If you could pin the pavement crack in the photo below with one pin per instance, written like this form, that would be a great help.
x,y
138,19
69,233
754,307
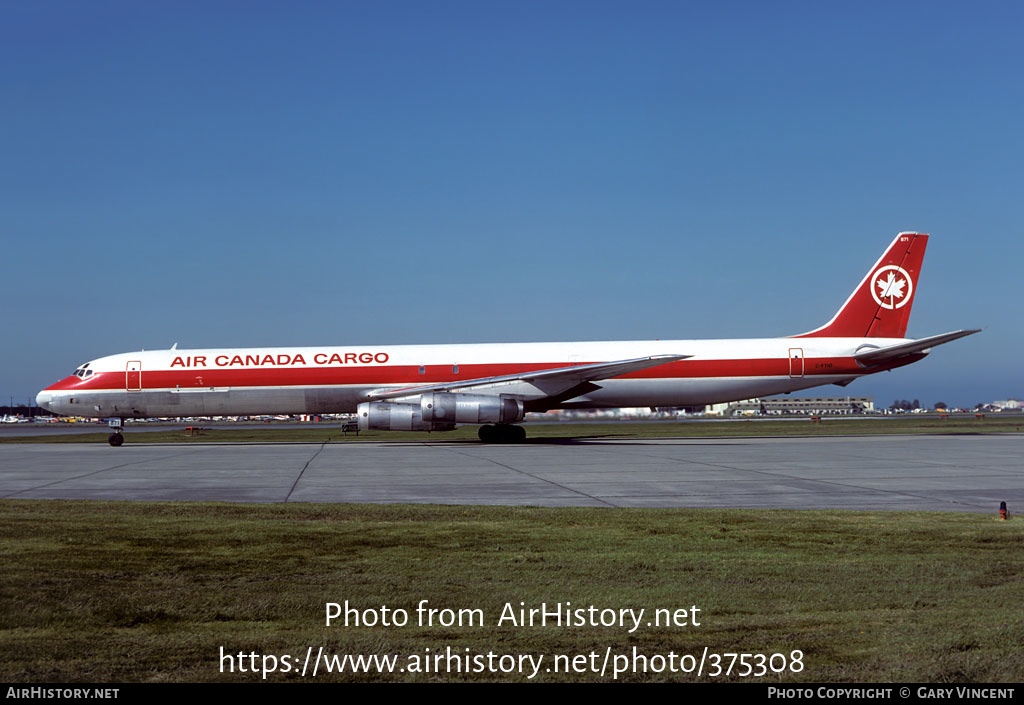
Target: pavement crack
x,y
296,483
538,478
88,474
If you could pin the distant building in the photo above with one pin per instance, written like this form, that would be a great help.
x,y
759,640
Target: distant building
x,y
767,406
794,405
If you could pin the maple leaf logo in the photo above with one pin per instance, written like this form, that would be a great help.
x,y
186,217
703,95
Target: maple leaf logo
x,y
891,287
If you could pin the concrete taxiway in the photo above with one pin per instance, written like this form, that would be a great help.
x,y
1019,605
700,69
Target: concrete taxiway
x,y
954,473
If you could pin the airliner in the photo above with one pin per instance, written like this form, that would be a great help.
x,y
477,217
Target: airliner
x,y
494,385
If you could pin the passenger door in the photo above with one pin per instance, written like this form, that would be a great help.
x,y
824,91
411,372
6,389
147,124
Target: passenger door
x,y
133,376
796,363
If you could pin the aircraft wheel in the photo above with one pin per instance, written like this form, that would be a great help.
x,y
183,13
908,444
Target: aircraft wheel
x,y
115,439
502,433
507,433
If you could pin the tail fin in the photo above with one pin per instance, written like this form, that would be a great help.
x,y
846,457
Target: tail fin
x,y
880,305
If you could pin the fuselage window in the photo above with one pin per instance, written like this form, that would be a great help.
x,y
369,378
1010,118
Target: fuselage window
x,y
423,370
455,369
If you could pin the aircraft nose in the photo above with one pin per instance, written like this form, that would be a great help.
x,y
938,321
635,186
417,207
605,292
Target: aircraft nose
x,y
43,399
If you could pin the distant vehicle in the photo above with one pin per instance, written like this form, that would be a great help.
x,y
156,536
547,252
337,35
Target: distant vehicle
x,y
435,387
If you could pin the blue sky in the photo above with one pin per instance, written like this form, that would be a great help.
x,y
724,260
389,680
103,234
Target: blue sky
x,y
247,173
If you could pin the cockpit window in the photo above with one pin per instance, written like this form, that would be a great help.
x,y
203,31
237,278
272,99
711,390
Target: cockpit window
x,y
83,371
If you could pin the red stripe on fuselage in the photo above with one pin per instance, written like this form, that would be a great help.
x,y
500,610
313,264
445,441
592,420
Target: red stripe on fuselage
x,y
385,375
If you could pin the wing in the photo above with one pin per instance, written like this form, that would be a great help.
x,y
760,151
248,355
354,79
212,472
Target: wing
x,y
536,384
874,356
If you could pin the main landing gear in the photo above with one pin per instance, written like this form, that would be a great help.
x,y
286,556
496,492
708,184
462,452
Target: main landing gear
x,y
502,433
116,438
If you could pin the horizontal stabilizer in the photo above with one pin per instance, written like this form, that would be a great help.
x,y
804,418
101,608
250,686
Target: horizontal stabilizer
x,y
554,380
873,356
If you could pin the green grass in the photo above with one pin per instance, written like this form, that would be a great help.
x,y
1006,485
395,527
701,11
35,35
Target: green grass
x,y
126,591
964,424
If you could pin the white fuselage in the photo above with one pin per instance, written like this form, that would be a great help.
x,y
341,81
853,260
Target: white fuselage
x,y
336,379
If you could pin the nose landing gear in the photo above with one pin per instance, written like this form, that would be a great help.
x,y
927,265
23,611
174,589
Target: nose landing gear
x,y
116,438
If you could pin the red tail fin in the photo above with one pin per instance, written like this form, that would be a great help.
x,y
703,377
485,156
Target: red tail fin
x,y
880,305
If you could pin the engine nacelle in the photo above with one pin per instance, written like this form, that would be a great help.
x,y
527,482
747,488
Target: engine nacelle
x,y
395,416
447,407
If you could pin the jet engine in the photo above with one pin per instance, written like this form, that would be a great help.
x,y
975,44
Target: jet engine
x,y
439,411
471,408
395,416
